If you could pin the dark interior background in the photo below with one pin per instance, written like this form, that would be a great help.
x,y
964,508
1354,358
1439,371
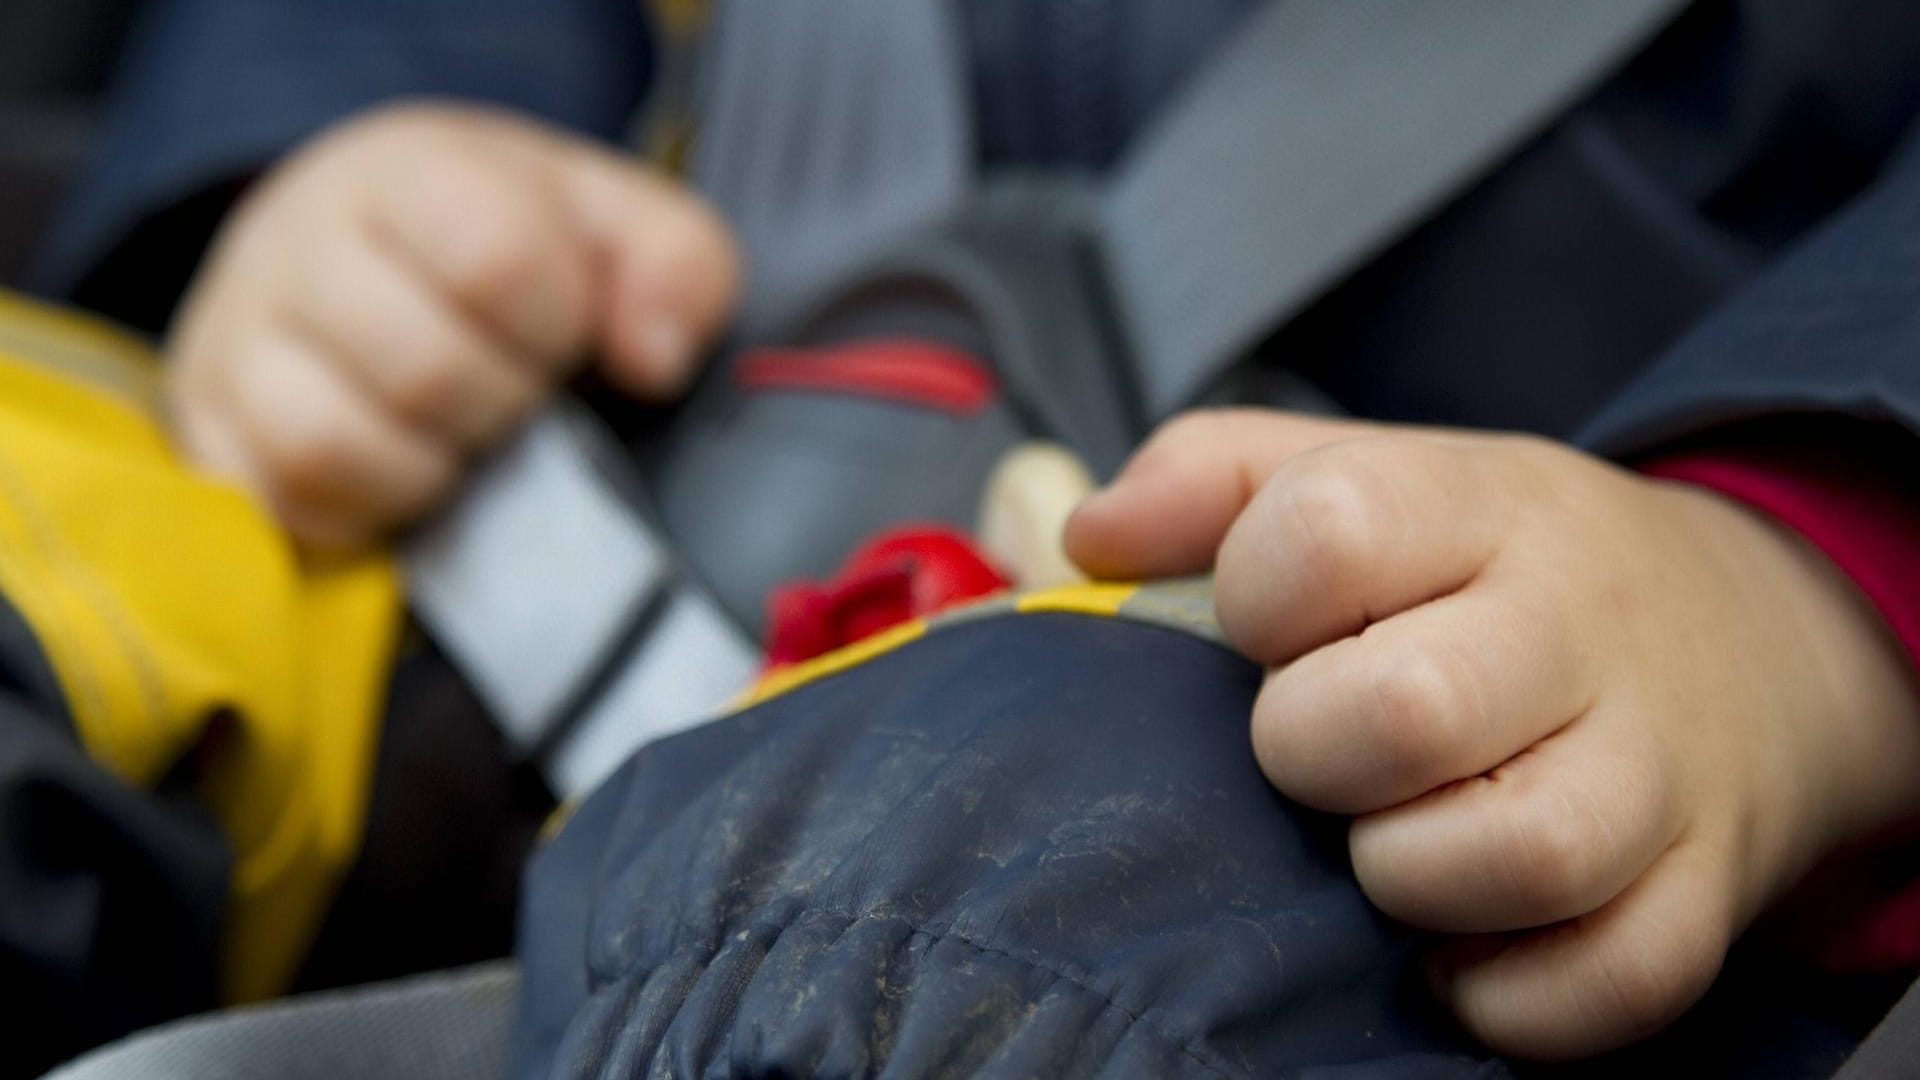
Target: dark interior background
x,y
54,59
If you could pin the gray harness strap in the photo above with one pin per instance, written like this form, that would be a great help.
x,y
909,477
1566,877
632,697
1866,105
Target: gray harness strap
x,y
1324,131
828,131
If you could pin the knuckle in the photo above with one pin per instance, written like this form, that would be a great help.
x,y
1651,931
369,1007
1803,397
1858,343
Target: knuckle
x,y
1641,985
406,117
1328,517
1173,438
1415,721
1243,601
1275,742
318,530
438,477
1632,993
500,263
447,179
1311,535
432,391
1189,426
1544,453
1391,882
306,463
1211,425
1381,882
405,130
1555,859
419,125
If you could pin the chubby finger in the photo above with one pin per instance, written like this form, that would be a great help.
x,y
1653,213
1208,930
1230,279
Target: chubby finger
x,y
1440,693
338,470
672,270
1553,834
1601,981
1351,533
420,357
1170,507
490,229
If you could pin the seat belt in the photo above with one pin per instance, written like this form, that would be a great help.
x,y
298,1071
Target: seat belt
x,y
1322,132
826,133
567,612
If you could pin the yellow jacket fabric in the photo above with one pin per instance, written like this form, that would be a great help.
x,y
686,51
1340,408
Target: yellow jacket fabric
x,y
185,632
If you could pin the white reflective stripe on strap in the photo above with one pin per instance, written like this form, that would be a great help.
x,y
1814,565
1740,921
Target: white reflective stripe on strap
x,y
690,665
558,603
1324,131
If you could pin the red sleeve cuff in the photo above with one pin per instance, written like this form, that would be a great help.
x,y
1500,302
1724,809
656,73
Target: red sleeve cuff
x,y
1870,528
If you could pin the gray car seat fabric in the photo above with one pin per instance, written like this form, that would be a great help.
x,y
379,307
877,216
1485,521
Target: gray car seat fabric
x,y
1893,1048
447,1026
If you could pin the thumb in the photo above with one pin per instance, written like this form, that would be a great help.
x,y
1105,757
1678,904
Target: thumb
x,y
668,268
1170,507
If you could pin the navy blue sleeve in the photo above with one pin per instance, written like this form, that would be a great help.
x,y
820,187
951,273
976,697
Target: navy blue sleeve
x,y
1031,845
212,90
1832,329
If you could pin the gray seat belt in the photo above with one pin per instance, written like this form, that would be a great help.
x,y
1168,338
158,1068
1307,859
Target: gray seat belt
x,y
828,131
1323,131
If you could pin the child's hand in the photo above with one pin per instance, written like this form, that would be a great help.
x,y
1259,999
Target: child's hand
x,y
402,292
1557,695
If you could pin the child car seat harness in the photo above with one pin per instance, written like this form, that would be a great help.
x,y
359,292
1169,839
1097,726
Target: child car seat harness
x,y
597,607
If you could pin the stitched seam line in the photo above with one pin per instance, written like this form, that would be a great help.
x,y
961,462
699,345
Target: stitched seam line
x,y
87,588
32,596
54,554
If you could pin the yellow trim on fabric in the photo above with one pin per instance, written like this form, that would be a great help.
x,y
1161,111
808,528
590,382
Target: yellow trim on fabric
x,y
1087,599
556,820
165,600
794,676
80,346
1152,605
